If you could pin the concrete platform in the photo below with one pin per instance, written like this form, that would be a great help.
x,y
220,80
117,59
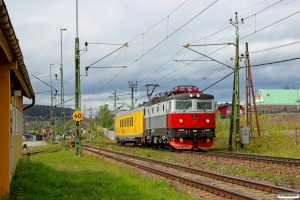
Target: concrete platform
x,y
34,143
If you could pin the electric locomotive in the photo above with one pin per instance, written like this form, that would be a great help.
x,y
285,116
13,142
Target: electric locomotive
x,y
183,118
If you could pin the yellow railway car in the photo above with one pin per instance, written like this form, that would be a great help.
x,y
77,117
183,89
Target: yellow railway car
x,y
129,125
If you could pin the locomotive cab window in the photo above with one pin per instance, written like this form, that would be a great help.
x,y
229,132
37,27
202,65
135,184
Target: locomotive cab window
x,y
183,105
204,105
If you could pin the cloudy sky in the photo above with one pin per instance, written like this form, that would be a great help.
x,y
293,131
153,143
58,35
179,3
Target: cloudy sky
x,y
156,32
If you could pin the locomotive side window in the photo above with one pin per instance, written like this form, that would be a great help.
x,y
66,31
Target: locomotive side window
x,y
204,105
183,105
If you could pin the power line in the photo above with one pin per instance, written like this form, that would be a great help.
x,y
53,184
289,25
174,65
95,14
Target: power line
x,y
155,46
230,25
263,9
284,45
269,25
158,22
270,63
161,66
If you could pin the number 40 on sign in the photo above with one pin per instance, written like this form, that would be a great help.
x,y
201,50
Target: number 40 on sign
x,y
77,115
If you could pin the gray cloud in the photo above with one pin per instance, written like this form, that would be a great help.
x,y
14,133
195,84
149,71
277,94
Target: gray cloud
x,y
38,30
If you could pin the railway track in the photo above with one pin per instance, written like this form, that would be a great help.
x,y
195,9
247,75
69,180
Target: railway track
x,y
223,186
252,157
258,158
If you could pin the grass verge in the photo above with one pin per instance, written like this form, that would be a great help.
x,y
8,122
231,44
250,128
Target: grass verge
x,y
62,175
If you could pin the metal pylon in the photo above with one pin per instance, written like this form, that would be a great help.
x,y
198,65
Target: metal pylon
x,y
249,88
234,135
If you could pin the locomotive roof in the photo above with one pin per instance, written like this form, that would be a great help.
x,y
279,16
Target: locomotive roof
x,y
186,96
179,96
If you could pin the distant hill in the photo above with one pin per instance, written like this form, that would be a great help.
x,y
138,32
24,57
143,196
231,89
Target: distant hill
x,y
44,111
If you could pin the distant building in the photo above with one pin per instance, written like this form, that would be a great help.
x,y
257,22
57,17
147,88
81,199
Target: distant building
x,y
277,100
225,110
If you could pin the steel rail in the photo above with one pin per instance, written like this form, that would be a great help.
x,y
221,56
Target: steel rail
x,y
262,158
251,184
253,157
196,184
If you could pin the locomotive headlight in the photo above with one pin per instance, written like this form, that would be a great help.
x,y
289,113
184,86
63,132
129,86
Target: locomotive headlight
x,y
191,95
198,95
181,121
207,121
207,140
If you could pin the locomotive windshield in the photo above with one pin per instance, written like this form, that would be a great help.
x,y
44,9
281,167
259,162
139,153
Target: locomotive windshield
x,y
192,105
204,105
183,105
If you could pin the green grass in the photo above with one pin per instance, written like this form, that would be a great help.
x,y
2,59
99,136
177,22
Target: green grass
x,y
62,175
277,136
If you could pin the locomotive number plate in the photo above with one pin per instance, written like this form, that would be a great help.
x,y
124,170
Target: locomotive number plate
x,y
194,131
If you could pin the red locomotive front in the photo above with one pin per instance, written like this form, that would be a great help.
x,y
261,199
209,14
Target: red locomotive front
x,y
190,119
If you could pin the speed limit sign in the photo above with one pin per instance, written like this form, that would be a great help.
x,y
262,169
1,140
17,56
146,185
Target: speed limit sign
x,y
77,115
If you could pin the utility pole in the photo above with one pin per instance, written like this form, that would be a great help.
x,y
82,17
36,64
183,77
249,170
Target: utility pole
x,y
115,102
249,87
234,135
54,126
78,147
91,123
132,86
62,107
51,109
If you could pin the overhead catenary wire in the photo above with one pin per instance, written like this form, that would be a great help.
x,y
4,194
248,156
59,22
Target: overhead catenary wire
x,y
269,25
143,55
263,9
230,25
148,76
264,27
158,22
268,49
156,45
269,63
105,73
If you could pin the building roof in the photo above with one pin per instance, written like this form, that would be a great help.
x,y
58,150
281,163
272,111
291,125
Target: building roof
x,y
277,96
11,50
226,104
